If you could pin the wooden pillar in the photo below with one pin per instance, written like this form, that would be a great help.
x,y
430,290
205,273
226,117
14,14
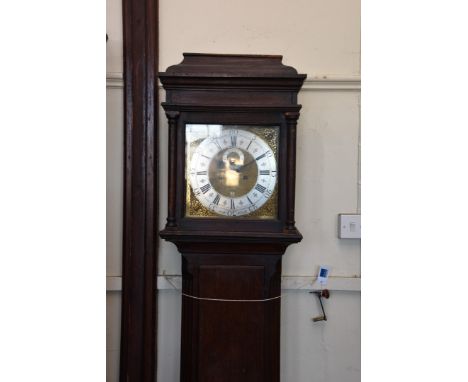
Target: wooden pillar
x,y
139,304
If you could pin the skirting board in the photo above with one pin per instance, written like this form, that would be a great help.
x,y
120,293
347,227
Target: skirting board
x,y
114,283
115,81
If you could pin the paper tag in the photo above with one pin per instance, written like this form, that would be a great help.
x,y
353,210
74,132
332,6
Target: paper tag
x,y
323,274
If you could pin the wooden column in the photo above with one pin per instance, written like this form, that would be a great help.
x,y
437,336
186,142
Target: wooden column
x,y
172,117
291,121
138,331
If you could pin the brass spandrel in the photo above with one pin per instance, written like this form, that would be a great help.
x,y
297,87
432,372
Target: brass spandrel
x,y
269,135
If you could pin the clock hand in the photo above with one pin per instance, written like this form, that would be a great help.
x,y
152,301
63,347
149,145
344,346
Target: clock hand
x,y
233,166
239,168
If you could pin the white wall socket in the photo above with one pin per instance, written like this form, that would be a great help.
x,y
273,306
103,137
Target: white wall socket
x,y
349,226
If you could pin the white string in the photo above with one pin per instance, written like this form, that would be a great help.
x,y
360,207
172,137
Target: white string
x,y
219,299
225,299
229,300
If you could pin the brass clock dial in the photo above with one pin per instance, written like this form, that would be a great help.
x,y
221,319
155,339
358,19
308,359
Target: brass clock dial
x,y
231,170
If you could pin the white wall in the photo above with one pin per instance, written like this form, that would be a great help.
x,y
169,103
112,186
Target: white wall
x,y
320,38
114,200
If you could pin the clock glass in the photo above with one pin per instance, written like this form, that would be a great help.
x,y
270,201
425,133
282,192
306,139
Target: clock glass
x,y
231,171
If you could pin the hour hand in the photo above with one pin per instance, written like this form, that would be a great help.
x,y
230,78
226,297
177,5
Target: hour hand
x,y
245,165
235,167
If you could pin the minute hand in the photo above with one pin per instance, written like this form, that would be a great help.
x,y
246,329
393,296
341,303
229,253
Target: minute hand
x,y
252,161
238,169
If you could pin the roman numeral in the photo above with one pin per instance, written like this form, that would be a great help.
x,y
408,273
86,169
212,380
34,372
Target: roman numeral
x,y
216,200
264,172
233,140
233,207
205,188
260,188
203,172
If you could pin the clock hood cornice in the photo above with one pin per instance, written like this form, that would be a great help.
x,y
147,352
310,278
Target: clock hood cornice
x,y
232,65
199,70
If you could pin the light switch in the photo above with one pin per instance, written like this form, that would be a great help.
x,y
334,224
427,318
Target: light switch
x,y
349,226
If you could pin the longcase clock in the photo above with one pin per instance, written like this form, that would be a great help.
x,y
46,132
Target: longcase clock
x,y
231,189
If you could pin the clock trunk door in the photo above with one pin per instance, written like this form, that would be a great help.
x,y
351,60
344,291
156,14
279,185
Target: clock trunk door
x,y
235,340
222,355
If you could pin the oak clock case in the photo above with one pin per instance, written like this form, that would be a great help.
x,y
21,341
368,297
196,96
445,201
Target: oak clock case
x,y
232,122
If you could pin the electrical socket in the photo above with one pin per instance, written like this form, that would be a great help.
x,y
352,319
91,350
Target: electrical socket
x,y
349,226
